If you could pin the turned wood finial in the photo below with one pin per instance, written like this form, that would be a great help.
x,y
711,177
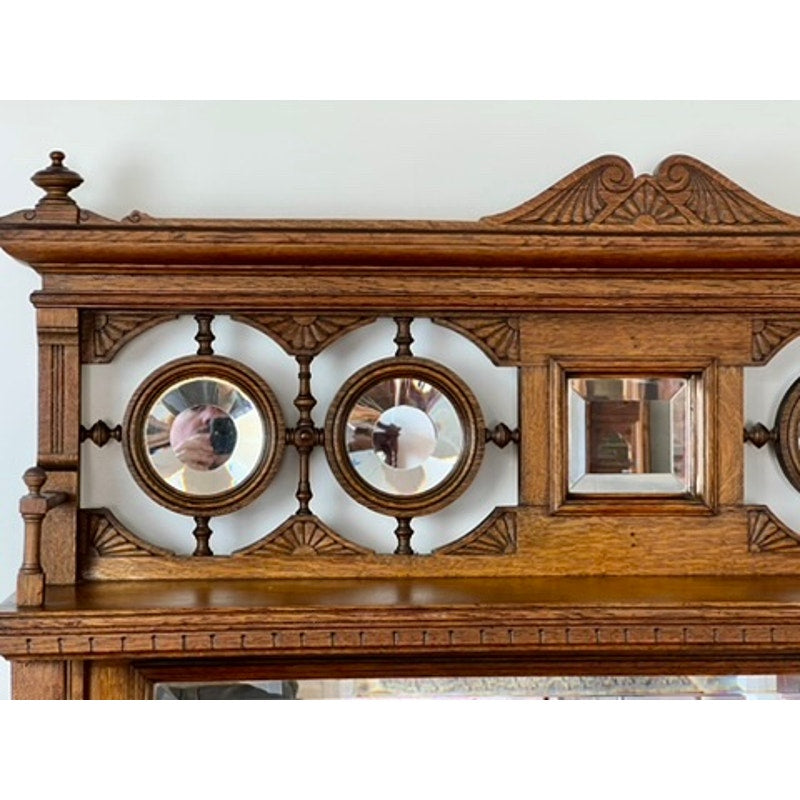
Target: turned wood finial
x,y
57,181
34,478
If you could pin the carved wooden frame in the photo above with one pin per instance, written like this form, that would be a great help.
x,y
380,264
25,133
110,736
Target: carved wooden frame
x,y
704,441
195,367
605,268
466,407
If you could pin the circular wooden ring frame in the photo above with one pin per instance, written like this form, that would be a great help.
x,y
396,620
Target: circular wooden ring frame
x,y
787,445
212,367
466,407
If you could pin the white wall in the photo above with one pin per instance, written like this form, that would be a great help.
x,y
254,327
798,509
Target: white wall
x,y
394,159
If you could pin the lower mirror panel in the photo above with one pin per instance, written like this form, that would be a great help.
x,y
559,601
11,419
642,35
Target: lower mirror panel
x,y
733,687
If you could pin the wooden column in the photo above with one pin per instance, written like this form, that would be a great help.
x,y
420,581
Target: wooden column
x,y
59,432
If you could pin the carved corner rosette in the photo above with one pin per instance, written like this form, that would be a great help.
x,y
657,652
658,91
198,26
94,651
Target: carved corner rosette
x,y
495,536
498,337
683,193
104,334
766,533
105,536
303,535
303,335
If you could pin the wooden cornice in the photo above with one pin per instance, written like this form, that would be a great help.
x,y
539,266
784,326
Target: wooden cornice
x,y
600,218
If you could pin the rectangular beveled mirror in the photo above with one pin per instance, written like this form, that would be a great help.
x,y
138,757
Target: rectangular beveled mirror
x,y
632,435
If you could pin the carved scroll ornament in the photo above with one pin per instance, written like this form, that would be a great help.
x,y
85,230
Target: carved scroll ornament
x,y
683,193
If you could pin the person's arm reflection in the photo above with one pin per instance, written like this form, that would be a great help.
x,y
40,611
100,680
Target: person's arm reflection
x,y
190,437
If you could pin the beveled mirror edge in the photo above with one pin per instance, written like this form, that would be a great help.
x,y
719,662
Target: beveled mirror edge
x,y
466,406
154,385
703,500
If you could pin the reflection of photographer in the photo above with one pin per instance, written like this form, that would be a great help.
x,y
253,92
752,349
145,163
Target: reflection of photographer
x,y
203,437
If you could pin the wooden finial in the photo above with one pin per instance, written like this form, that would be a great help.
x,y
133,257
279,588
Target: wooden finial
x,y
34,479
57,182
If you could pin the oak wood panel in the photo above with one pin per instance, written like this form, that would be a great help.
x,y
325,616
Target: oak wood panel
x,y
60,529
534,421
59,387
630,337
730,423
39,680
115,680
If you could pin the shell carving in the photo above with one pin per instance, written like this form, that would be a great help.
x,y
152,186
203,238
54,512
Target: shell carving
x,y
766,533
303,335
107,537
110,332
497,337
495,536
303,536
770,335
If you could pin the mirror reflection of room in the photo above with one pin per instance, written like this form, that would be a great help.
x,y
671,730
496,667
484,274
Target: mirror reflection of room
x,y
630,434
404,436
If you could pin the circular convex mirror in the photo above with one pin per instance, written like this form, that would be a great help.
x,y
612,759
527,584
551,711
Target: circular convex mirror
x,y
787,444
404,436
203,435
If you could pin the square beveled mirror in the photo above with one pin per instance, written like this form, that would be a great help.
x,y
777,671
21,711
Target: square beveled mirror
x,y
632,435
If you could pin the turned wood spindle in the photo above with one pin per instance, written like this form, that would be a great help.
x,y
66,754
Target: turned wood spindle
x,y
34,507
403,532
304,436
100,433
759,435
403,339
202,533
204,336
501,435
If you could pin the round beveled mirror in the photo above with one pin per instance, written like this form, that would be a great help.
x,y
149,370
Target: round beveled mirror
x,y
787,441
404,436
203,435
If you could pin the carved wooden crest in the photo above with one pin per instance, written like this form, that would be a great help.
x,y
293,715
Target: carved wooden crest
x,y
683,193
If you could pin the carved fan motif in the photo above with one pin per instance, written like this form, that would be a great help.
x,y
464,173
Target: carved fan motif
x,y
766,533
303,536
107,537
303,335
496,535
683,191
770,335
648,203
108,333
497,337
